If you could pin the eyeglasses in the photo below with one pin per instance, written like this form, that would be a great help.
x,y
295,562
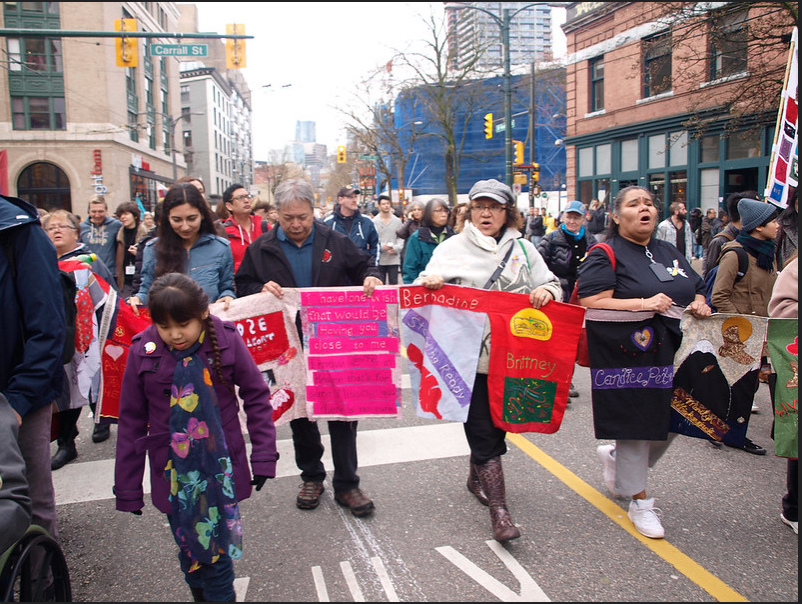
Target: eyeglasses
x,y
495,209
60,227
246,197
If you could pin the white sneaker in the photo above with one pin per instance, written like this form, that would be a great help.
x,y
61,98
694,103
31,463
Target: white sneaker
x,y
755,408
605,455
794,524
646,518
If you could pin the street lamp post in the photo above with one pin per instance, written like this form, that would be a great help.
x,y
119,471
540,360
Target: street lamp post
x,y
504,24
172,122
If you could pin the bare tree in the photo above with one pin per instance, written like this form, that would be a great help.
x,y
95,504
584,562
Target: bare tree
x,y
447,93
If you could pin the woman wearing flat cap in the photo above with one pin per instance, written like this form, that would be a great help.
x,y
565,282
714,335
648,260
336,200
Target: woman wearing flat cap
x,y
470,258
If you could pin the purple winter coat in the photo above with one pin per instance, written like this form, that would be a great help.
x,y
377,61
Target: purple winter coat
x,y
145,416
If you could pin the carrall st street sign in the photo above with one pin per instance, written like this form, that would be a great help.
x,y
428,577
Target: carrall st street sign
x,y
179,50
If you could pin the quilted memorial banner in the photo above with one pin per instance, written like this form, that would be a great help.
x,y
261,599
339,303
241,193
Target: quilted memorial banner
x,y
783,342
716,375
532,354
267,325
352,349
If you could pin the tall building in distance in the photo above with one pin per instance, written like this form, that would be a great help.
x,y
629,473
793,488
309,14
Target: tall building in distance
x,y
474,31
305,132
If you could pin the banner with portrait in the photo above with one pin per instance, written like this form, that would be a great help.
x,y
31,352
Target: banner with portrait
x,y
716,376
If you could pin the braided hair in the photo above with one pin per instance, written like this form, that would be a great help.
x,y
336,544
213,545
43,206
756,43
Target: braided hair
x,y
178,297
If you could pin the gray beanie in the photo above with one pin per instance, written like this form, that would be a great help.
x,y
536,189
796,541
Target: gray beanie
x,y
754,213
492,189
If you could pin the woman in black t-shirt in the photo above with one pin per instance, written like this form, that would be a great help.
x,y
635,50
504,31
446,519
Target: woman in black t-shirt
x,y
631,353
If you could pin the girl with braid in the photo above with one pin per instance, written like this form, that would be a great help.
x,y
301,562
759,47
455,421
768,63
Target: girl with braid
x,y
178,403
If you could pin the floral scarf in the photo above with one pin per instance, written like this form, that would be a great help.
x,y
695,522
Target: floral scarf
x,y
204,504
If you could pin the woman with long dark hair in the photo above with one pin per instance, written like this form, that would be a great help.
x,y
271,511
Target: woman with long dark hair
x,y
187,243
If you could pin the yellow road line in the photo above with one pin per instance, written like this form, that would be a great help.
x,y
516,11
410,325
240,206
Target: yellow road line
x,y
684,564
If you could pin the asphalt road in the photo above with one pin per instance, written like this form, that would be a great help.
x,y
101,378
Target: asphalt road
x,y
430,540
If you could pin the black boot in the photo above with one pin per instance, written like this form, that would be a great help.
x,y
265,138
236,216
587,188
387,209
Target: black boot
x,y
64,455
491,476
475,486
101,432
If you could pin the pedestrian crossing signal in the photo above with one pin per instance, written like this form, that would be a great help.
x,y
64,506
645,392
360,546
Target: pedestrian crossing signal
x,y
235,48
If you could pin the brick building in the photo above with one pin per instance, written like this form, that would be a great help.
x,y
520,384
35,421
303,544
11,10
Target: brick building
x,y
672,96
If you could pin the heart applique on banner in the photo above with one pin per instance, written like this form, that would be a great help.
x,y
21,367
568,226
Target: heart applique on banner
x,y
643,338
114,351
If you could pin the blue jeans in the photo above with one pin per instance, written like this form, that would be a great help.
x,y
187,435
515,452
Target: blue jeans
x,y
216,580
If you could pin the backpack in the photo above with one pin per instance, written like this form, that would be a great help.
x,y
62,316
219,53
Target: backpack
x,y
710,277
68,291
698,235
582,355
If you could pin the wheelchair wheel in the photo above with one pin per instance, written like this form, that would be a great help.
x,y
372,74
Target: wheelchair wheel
x,y
34,570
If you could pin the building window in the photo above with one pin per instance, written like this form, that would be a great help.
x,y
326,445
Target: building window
x,y
35,54
743,145
728,45
596,84
586,161
710,148
603,159
657,151
656,64
629,155
678,151
38,113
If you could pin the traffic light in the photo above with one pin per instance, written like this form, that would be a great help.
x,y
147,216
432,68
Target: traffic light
x,y
518,147
488,125
535,173
519,178
235,49
341,154
126,47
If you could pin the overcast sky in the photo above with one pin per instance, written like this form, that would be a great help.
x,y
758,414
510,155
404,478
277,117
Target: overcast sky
x,y
306,57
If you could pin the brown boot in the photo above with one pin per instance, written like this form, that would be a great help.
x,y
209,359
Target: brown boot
x,y
491,476
475,486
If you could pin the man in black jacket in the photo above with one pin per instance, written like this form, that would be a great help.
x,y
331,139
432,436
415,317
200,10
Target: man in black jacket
x,y
33,327
304,252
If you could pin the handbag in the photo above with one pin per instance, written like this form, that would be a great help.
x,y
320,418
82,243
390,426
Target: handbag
x,y
582,356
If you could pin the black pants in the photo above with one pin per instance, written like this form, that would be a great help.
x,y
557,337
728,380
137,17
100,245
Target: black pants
x,y
389,273
485,440
309,452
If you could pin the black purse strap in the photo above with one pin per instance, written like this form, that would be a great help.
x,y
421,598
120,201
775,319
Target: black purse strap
x,y
500,267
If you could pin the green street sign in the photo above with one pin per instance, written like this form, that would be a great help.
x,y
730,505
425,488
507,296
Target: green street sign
x,y
374,157
179,50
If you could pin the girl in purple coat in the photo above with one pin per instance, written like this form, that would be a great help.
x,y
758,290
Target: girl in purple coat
x,y
178,403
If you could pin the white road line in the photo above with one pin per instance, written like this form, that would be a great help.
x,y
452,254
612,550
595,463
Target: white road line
x,y
350,580
93,480
241,588
530,590
320,584
381,571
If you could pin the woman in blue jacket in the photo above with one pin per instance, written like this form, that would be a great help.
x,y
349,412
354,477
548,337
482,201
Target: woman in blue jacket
x,y
187,243
432,231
